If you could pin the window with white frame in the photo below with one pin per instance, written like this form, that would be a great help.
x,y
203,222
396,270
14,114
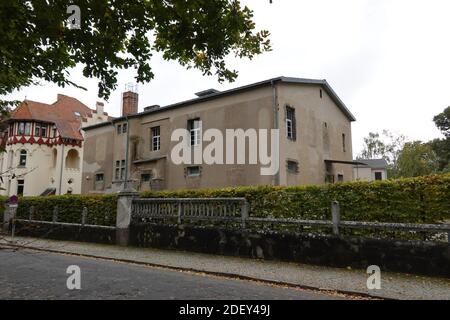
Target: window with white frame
x,y
23,158
156,139
194,127
291,130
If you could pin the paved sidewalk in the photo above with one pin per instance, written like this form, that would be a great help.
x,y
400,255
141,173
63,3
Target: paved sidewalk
x,y
394,285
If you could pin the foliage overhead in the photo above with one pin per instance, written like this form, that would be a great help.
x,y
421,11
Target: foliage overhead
x,y
38,45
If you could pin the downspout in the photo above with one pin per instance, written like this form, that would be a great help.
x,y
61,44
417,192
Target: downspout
x,y
61,171
126,153
276,178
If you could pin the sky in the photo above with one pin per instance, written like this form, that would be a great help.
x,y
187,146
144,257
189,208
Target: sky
x,y
388,60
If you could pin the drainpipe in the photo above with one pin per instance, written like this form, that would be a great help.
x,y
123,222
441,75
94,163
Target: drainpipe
x,y
276,179
62,166
126,153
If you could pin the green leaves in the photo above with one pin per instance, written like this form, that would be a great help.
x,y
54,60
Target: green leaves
x,y
121,34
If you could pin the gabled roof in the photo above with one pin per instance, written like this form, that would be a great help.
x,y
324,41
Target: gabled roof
x,y
373,163
215,95
61,113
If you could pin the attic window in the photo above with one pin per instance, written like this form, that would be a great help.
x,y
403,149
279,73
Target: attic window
x,y
77,113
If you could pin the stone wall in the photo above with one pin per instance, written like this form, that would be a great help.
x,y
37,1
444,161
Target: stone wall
x,y
398,256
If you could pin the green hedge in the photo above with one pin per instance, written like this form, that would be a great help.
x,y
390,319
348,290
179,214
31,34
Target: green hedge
x,y
412,200
101,208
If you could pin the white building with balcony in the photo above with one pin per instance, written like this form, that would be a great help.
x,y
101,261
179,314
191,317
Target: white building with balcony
x,y
44,147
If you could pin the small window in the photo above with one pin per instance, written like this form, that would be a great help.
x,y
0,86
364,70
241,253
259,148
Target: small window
x,y
23,158
194,127
321,94
340,178
76,113
124,128
193,171
343,143
54,131
292,166
146,177
99,177
117,174
291,130
27,128
122,170
119,129
21,128
44,130
156,139
20,187
378,176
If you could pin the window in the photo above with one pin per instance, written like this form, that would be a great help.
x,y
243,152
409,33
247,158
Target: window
x,y
291,130
99,177
146,177
194,127
76,113
343,143
44,130
193,171
156,139
321,94
340,178
378,176
23,158
21,128
54,131
20,187
120,170
124,128
119,129
27,130
37,130
292,166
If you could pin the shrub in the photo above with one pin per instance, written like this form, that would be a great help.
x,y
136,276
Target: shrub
x,y
101,208
412,200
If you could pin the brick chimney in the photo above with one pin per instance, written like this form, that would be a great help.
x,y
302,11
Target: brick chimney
x,y
130,101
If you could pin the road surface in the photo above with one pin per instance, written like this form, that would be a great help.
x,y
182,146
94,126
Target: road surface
x,y
26,274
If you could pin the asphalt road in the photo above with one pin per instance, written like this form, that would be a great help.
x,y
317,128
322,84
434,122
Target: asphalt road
x,y
28,274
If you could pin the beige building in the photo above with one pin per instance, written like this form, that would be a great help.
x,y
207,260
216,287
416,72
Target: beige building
x,y
370,170
44,147
315,142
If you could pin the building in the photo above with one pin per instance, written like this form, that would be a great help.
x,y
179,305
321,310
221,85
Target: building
x,y
370,170
315,143
44,147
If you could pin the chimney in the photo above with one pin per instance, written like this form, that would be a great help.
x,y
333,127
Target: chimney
x,y
99,107
129,103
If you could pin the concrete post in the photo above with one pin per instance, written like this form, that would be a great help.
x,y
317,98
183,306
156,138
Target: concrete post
x,y
9,215
336,217
244,213
123,218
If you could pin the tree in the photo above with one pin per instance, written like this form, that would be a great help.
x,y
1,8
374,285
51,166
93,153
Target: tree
x,y
385,146
442,146
38,44
416,159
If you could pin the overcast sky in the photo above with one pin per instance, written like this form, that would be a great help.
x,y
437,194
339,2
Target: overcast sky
x,y
388,60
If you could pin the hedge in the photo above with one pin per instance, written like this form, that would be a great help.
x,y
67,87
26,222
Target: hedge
x,y
411,200
101,208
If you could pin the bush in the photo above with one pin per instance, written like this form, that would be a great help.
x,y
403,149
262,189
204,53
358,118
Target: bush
x,y
412,200
101,208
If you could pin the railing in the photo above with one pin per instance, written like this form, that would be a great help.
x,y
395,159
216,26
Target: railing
x,y
237,209
230,209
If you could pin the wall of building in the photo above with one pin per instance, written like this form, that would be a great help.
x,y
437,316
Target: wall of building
x,y
244,110
320,125
368,174
42,169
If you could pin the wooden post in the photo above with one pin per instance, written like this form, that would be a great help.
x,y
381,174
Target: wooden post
x,y
336,217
